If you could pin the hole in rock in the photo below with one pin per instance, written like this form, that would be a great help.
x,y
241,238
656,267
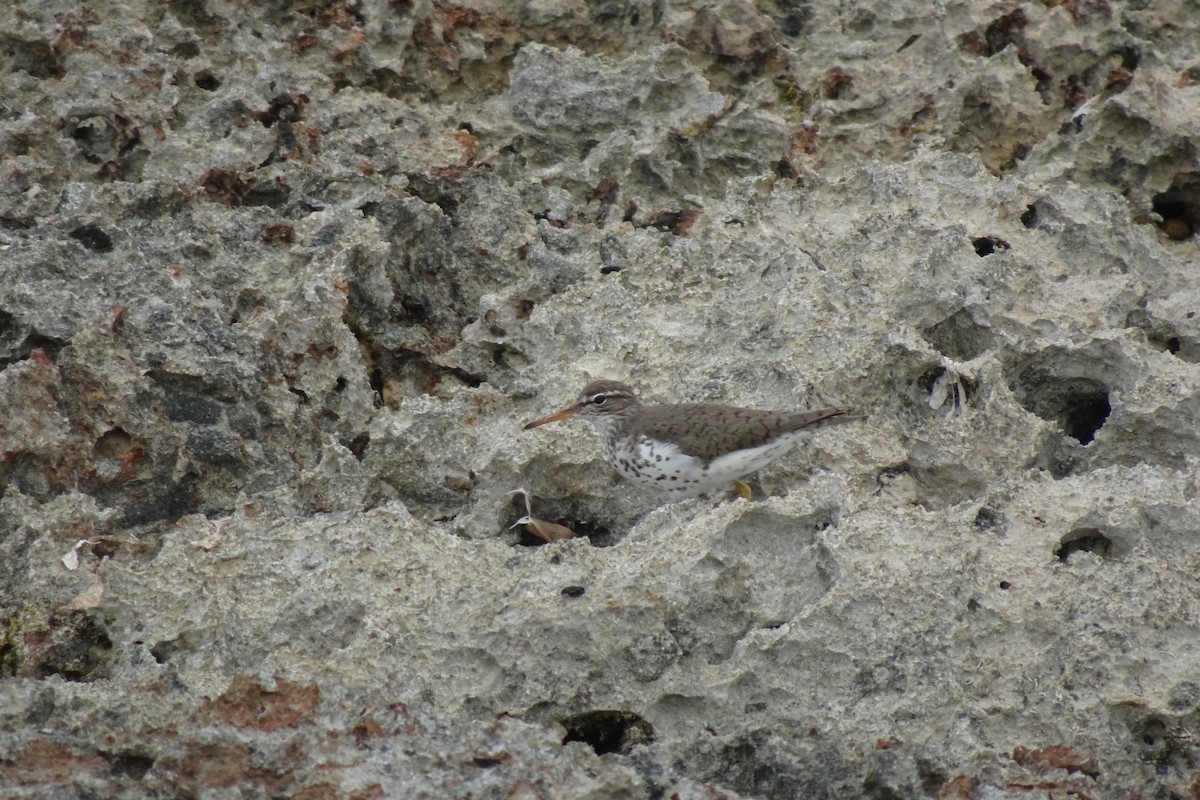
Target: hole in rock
x,y
207,81
522,309
567,513
987,519
1086,412
1179,208
283,108
93,238
81,651
506,356
1130,56
358,445
1154,736
1080,405
34,57
987,245
431,190
1005,30
959,337
1088,540
165,650
797,16
1162,332
608,731
18,341
1184,348
129,765
958,390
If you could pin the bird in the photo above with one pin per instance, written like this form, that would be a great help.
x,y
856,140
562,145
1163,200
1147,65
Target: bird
x,y
688,449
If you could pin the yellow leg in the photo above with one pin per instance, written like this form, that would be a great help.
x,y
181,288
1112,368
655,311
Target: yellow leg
x,y
743,489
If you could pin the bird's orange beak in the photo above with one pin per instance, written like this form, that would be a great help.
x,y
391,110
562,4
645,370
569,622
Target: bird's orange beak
x,y
555,417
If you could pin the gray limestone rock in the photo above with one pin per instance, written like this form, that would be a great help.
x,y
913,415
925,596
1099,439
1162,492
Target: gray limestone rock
x,y
280,284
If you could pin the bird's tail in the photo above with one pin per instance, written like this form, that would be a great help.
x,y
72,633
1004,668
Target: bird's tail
x,y
823,417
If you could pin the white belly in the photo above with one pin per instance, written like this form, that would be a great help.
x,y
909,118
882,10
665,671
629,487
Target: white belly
x,y
663,467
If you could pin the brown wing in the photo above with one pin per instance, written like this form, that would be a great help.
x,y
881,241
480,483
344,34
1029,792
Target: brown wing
x,y
707,431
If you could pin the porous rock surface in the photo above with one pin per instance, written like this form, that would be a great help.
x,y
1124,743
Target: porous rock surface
x,y
280,283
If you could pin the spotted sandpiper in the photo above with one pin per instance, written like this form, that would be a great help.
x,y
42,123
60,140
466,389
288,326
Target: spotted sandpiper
x,y
687,449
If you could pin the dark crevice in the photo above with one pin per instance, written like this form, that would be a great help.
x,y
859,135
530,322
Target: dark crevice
x,y
1005,30
1163,334
206,80
129,765
93,238
987,245
987,519
400,372
171,504
165,650
82,649
1087,540
358,445
444,194
958,392
1178,208
187,405
185,50
37,58
1080,405
678,222
1085,412
284,108
18,341
19,350
959,336
567,513
608,731
430,374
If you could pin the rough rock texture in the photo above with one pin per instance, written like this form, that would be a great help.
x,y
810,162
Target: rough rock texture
x,y
280,281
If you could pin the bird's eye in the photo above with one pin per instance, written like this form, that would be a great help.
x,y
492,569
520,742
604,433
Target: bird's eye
x,y
600,399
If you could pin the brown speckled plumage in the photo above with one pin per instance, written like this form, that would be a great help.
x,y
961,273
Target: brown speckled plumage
x,y
689,448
